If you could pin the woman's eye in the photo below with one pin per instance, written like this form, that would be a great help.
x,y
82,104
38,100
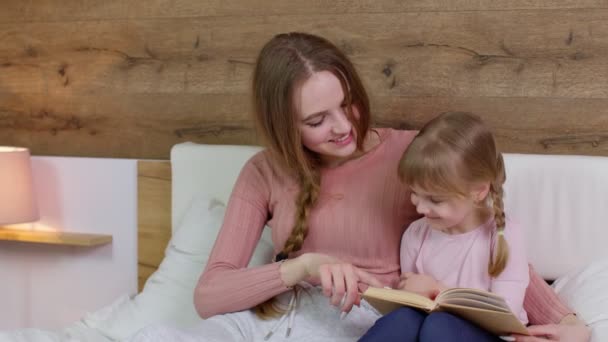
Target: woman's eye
x,y
436,200
316,123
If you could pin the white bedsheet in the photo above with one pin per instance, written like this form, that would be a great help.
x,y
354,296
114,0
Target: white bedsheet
x,y
76,332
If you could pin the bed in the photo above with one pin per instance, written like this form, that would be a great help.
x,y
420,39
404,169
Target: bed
x,y
561,200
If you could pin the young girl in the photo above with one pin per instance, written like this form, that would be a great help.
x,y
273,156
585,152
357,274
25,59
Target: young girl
x,y
456,176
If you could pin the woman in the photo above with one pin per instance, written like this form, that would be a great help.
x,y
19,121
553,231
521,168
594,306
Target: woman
x,y
327,185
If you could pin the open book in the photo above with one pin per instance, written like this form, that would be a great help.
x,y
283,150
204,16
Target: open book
x,y
485,309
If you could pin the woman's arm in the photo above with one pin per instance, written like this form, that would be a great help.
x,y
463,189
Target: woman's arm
x,y
542,303
552,320
227,285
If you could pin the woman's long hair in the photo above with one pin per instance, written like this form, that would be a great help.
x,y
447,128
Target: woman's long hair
x,y
283,65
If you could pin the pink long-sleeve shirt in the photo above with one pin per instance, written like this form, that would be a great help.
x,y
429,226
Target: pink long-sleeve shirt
x,y
361,214
461,260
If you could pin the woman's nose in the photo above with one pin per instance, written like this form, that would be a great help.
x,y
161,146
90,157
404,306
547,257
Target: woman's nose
x,y
341,124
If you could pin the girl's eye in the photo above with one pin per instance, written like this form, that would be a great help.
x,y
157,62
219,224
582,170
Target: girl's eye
x,y
436,200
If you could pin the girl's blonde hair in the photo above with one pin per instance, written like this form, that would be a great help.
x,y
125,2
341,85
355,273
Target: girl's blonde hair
x,y
451,154
283,65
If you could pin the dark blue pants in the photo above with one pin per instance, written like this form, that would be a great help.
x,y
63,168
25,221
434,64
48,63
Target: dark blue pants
x,y
406,324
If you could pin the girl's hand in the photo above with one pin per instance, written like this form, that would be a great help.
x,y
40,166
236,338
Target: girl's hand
x,y
421,284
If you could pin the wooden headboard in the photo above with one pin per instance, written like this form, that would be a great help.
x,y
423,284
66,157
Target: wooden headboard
x,y
154,215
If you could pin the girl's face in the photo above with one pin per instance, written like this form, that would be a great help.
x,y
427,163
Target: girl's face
x,y
447,212
323,122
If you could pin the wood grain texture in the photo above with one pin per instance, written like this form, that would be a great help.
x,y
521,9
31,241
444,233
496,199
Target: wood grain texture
x,y
54,237
58,10
130,79
521,125
542,125
154,216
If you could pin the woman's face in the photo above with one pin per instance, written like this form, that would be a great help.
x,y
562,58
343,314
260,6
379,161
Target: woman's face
x,y
323,122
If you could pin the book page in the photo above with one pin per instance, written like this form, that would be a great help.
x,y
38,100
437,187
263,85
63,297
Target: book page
x,y
385,300
488,310
457,291
473,295
473,304
499,323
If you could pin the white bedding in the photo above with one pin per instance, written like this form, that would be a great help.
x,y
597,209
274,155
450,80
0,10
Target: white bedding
x,y
76,332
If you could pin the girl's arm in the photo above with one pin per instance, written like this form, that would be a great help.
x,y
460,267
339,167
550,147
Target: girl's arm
x,y
410,280
410,246
511,284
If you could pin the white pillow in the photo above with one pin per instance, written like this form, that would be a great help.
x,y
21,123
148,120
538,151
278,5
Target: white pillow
x,y
167,296
586,292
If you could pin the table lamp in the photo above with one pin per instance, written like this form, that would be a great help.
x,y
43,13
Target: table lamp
x,y
18,205
17,200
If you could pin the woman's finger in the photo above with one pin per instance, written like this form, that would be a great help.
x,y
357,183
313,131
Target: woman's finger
x,y
338,284
352,290
540,333
326,280
549,330
367,278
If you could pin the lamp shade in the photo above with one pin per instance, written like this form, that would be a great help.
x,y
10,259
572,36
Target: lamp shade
x,y
17,200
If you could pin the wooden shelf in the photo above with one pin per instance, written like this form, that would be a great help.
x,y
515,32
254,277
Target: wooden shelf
x,y
53,237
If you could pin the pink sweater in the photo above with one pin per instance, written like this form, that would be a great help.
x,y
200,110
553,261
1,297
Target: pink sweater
x,y
362,212
461,260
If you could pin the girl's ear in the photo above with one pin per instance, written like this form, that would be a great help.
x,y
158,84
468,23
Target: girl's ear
x,y
480,191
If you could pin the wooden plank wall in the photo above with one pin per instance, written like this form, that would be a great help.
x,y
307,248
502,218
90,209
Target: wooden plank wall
x,y
129,78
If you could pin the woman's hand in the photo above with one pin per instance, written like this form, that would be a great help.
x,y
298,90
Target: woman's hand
x,y
340,281
303,267
570,329
421,284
